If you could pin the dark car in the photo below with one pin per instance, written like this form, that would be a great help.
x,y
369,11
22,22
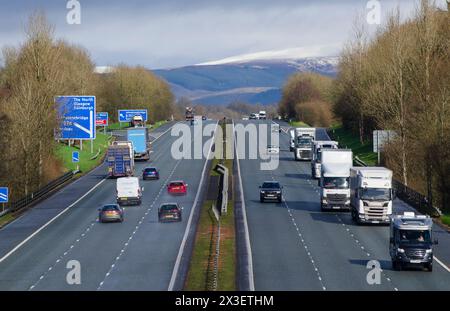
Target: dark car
x,y
169,212
150,173
270,191
204,118
110,213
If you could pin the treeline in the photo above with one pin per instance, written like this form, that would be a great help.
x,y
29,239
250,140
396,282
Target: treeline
x,y
307,97
37,71
399,80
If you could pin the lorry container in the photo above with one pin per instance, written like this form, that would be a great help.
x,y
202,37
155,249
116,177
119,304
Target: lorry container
x,y
317,155
304,141
141,145
129,191
334,180
371,194
120,160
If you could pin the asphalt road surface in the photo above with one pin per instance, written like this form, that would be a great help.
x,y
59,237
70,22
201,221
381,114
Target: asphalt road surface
x,y
138,254
295,246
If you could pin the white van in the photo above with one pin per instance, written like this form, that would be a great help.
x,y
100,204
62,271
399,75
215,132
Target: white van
x,y
129,191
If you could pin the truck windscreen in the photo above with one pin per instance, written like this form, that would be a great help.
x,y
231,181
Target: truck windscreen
x,y
414,236
335,182
376,194
304,142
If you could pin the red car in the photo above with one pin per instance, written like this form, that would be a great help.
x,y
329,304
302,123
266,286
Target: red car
x,y
177,187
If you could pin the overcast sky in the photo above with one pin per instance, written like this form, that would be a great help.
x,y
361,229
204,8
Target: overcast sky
x,y
171,33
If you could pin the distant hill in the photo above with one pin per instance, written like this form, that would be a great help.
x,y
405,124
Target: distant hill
x,y
252,81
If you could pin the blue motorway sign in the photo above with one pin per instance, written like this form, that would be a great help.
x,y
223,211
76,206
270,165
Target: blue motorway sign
x,y
4,194
77,115
127,115
101,119
75,157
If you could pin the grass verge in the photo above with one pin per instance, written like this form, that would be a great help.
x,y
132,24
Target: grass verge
x,y
201,270
298,124
64,153
348,140
446,219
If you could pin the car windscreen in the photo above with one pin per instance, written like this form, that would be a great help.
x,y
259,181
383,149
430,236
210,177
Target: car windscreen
x,y
271,185
375,194
108,208
415,236
176,184
169,207
151,169
335,182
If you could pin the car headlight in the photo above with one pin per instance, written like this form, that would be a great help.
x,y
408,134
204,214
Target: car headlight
x,y
400,250
262,192
429,251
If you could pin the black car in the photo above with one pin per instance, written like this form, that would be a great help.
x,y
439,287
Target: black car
x,y
270,191
169,212
150,173
204,118
110,213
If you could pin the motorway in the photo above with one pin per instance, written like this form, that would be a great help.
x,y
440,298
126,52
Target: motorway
x,y
138,254
295,246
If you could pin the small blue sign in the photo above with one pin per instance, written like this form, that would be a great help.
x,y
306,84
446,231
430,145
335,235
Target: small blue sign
x,y
77,115
101,119
127,115
75,157
4,194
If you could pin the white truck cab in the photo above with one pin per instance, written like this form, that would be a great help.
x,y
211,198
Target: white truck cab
x,y
317,155
371,194
129,191
334,180
304,141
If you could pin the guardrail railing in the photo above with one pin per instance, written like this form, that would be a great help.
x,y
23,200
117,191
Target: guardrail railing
x,y
38,194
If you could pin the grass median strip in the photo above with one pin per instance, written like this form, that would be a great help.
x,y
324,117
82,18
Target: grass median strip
x,y
201,270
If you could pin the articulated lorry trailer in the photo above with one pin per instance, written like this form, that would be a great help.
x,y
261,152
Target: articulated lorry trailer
x,y
120,160
304,142
371,194
334,180
141,145
317,155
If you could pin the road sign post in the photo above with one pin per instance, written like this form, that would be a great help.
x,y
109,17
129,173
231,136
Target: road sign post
x,y
76,158
4,196
77,115
127,115
380,138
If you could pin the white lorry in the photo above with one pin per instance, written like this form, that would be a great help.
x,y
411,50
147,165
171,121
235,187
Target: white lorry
x,y
317,155
304,141
371,194
334,180
129,191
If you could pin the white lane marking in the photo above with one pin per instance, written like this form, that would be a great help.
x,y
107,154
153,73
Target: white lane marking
x,y
441,264
188,226
62,212
137,227
50,221
244,214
